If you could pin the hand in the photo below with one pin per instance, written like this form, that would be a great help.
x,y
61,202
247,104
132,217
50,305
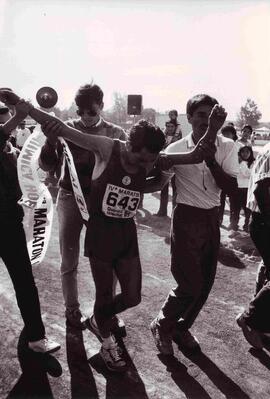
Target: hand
x,y
52,129
204,150
7,96
22,109
217,117
164,162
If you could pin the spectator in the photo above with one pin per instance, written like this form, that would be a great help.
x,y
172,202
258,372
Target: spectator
x,y
89,100
245,136
255,320
13,247
170,137
239,198
230,132
173,115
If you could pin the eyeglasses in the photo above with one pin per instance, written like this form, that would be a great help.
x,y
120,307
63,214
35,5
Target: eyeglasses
x,y
88,112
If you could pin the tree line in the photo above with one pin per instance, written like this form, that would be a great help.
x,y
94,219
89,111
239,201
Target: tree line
x,y
249,113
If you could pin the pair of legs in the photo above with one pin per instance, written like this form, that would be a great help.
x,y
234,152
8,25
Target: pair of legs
x,y
112,247
256,316
70,228
13,251
237,202
195,239
128,272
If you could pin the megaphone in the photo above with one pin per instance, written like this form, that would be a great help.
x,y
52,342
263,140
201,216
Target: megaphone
x,y
46,97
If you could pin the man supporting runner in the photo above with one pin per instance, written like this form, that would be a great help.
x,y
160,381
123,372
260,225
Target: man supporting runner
x,y
13,247
89,100
195,235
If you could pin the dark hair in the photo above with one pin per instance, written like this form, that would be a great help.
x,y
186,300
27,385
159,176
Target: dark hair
x,y
198,100
251,157
87,94
230,129
145,134
247,127
174,111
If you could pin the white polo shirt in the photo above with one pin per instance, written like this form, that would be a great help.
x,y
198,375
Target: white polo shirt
x,y
195,184
260,171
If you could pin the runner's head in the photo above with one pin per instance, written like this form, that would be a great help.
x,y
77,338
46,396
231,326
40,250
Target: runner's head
x,y
89,100
144,143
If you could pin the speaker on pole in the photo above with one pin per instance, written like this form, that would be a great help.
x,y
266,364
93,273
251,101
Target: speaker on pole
x,y
134,104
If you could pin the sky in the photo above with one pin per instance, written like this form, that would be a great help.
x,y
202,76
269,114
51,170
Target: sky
x,y
167,51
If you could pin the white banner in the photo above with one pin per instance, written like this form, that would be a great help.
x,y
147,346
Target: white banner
x,y
75,181
36,198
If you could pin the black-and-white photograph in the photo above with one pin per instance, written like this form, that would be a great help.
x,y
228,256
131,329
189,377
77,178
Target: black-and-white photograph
x,y
135,199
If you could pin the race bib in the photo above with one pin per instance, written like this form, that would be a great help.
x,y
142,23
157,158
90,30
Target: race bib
x,y
118,202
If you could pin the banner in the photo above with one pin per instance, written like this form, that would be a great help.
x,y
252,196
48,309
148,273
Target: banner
x,y
75,181
36,198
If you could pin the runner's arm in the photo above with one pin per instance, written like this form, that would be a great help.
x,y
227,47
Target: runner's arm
x,y
100,145
157,181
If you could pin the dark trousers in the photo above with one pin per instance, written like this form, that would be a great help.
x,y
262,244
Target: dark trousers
x,y
13,251
257,314
238,201
195,239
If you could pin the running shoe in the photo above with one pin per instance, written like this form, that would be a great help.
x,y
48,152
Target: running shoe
x,y
44,345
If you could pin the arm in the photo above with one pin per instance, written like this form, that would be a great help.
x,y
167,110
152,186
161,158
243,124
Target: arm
x,y
50,155
205,147
156,180
100,145
223,180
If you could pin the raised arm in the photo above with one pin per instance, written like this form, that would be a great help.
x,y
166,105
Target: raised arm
x,y
205,147
100,145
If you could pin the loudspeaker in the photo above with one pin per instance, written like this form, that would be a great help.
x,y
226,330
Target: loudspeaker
x,y
134,104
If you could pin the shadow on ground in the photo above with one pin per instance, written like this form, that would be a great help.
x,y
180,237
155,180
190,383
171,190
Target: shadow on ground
x,y
229,258
82,381
191,387
34,382
121,385
181,377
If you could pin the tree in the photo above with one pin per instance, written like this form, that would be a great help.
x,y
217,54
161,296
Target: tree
x,y
118,113
249,114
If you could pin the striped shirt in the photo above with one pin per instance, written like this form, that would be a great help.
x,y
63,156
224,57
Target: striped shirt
x,y
260,171
195,183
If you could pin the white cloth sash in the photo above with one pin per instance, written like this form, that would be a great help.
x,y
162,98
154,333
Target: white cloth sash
x,y
36,199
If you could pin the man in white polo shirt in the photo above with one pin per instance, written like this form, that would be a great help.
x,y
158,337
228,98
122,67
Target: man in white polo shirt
x,y
195,235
